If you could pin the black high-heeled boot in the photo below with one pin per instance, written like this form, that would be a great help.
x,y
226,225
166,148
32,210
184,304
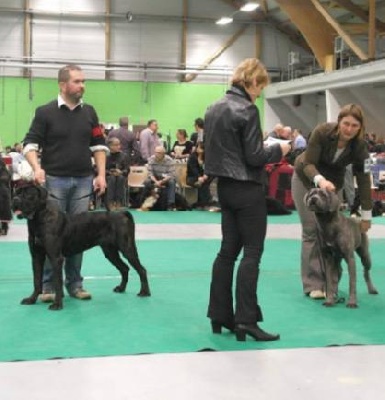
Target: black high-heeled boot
x,y
217,326
241,330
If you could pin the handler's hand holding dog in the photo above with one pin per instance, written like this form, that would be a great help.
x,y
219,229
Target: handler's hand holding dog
x,y
365,225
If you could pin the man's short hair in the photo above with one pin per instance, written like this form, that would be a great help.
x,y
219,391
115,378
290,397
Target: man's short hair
x,y
150,122
199,123
64,73
123,121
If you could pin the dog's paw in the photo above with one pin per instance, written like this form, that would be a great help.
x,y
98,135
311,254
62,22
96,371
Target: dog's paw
x,y
328,303
352,305
55,307
373,291
28,301
119,289
144,293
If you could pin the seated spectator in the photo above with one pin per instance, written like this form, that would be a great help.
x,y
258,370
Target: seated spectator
x,y
197,178
277,132
182,148
117,169
299,142
5,198
161,171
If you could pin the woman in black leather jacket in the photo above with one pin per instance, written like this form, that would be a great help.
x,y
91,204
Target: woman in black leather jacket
x,y
235,153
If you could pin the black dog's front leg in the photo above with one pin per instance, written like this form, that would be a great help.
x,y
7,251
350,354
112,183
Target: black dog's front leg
x,y
57,281
38,257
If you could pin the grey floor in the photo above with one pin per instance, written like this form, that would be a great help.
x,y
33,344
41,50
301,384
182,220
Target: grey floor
x,y
352,372
343,373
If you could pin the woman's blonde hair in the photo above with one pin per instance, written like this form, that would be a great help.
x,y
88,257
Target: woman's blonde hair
x,y
248,70
355,111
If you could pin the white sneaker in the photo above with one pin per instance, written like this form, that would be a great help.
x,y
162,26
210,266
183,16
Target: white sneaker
x,y
317,294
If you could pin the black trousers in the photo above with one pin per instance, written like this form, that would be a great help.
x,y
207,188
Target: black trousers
x,y
244,222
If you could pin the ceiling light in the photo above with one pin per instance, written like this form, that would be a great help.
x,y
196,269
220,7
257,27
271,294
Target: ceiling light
x,y
224,21
250,6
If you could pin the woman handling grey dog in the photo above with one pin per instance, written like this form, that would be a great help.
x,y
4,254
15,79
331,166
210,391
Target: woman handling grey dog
x,y
331,147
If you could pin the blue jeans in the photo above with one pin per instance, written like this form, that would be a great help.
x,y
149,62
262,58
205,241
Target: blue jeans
x,y
72,196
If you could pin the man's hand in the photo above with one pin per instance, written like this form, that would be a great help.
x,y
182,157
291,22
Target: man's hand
x,y
39,176
100,184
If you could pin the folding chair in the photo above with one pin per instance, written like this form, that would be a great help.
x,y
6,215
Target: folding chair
x,y
189,192
135,180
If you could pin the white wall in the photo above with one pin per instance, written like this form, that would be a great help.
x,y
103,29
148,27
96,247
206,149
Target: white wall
x,y
74,31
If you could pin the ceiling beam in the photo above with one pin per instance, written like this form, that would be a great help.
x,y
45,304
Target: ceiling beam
x,y
359,12
319,36
107,38
345,37
372,30
27,35
260,16
218,53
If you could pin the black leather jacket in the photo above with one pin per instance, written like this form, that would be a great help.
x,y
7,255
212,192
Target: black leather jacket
x,y
234,141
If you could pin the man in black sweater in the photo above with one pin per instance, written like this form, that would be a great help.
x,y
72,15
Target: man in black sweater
x,y
68,134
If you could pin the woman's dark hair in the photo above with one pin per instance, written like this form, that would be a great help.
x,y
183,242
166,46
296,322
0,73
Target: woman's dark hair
x,y
182,132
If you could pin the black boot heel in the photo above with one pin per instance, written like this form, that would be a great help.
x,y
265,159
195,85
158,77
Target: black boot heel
x,y
217,326
240,335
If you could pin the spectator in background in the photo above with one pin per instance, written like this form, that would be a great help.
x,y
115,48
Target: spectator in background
x,y
277,132
5,198
117,169
149,139
197,136
197,178
299,142
182,148
128,143
161,171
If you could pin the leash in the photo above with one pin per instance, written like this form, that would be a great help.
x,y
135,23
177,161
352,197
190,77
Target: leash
x,y
76,198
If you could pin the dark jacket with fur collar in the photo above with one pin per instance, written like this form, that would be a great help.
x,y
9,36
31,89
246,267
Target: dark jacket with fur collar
x,y
318,159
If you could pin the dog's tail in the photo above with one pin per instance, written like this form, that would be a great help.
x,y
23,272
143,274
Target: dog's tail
x,y
129,216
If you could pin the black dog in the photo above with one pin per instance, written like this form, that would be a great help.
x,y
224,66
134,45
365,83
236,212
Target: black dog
x,y
155,199
56,235
339,237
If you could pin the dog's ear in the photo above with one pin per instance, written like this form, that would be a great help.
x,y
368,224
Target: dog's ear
x,y
308,194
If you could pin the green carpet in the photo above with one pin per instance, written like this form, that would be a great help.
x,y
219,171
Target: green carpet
x,y
173,319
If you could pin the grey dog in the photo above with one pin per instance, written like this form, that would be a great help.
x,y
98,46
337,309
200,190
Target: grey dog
x,y
56,235
339,237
